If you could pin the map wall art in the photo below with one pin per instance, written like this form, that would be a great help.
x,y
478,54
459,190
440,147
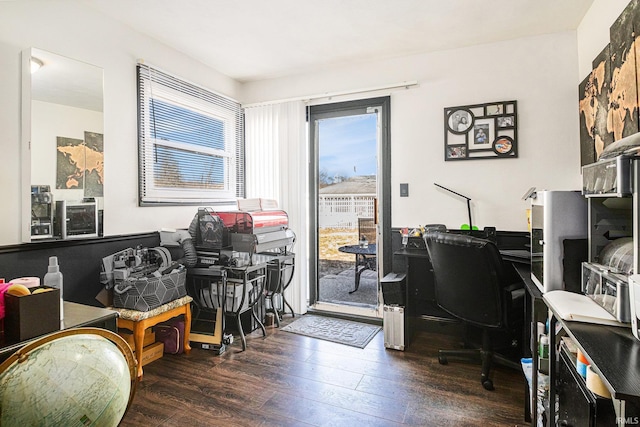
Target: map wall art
x,y
608,96
80,164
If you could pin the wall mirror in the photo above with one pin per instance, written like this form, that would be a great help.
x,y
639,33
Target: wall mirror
x,y
62,147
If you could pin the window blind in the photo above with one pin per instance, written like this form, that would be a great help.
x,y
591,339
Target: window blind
x,y
190,142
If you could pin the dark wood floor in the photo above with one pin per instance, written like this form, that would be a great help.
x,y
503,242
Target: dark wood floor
x,y
291,380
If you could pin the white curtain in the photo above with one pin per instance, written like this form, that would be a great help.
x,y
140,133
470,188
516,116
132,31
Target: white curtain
x,y
276,159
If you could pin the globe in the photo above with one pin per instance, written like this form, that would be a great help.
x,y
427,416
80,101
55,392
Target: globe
x,y
77,379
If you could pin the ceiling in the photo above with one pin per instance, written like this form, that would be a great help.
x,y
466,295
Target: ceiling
x,y
65,81
252,40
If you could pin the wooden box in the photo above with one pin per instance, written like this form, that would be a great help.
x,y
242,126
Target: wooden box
x,y
152,352
127,335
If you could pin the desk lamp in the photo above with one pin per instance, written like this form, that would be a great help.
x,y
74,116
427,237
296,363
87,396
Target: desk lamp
x,y
465,197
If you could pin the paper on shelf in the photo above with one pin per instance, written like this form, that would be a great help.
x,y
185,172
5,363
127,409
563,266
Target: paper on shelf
x,y
579,308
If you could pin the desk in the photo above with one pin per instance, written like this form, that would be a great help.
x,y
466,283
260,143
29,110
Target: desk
x,y
365,258
420,290
534,311
420,297
75,316
613,353
421,306
521,256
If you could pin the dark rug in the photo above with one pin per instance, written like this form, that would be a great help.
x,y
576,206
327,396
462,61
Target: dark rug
x,y
341,331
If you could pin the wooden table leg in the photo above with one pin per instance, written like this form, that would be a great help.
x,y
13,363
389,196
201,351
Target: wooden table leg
x,y
139,327
138,340
187,328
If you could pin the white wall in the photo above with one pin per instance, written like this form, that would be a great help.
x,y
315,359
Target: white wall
x,y
540,73
76,31
55,120
593,31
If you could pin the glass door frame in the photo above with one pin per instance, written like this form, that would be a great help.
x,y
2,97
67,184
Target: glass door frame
x,y
382,107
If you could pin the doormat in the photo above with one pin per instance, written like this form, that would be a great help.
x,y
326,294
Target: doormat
x,y
341,331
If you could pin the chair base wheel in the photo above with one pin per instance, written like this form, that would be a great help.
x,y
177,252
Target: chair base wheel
x,y
443,360
488,385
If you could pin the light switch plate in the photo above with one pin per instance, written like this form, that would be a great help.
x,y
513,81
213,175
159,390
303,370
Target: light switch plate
x,y
404,190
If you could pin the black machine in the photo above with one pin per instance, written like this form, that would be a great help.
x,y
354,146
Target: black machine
x,y
76,219
41,212
220,235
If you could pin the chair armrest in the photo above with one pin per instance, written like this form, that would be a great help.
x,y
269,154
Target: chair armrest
x,y
514,286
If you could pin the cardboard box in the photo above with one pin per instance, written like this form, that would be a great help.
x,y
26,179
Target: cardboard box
x,y
127,335
30,316
152,352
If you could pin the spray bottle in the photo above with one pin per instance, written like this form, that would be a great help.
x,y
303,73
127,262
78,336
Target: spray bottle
x,y
53,278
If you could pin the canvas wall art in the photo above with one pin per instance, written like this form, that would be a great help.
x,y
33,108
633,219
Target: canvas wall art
x,y
608,96
80,164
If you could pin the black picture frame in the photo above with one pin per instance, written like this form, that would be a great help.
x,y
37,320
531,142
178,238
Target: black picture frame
x,y
505,121
481,131
503,146
460,121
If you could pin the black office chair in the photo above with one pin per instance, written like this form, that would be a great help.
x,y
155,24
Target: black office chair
x,y
434,227
472,284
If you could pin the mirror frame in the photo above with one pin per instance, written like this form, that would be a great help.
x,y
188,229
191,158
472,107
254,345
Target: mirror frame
x,y
25,139
25,149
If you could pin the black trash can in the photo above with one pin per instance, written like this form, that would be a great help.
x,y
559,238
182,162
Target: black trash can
x,y
393,289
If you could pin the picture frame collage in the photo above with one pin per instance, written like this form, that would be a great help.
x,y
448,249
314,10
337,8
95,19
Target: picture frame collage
x,y
481,131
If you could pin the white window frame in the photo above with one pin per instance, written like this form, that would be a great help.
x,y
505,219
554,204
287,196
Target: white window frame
x,y
153,194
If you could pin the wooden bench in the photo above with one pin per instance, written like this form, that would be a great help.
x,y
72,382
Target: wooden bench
x,y
139,321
